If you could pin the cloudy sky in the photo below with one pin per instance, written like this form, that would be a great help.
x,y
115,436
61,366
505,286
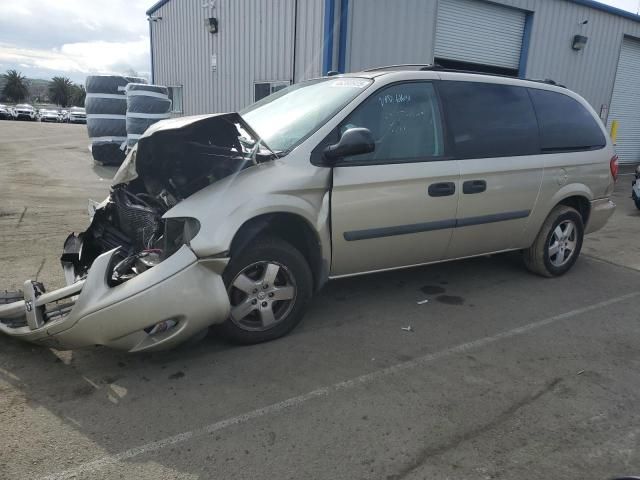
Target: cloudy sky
x,y
43,38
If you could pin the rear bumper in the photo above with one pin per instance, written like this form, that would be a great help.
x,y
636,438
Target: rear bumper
x,y
600,212
181,288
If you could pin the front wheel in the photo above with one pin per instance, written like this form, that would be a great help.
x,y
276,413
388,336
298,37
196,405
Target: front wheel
x,y
269,286
558,243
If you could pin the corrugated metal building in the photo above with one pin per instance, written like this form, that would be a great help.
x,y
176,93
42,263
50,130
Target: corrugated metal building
x,y
220,55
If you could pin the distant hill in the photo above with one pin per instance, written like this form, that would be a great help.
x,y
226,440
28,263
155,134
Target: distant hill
x,y
38,89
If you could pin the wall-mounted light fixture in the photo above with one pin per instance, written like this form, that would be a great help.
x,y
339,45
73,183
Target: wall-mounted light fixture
x,y
212,24
579,42
154,18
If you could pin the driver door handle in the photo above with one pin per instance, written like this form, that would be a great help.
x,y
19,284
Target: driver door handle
x,y
442,189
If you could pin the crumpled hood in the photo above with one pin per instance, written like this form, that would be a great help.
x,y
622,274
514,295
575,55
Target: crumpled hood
x,y
128,171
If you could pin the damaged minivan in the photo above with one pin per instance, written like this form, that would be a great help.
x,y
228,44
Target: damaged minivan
x,y
235,220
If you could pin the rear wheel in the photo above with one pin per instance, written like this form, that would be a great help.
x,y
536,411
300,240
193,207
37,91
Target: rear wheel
x,y
269,286
558,243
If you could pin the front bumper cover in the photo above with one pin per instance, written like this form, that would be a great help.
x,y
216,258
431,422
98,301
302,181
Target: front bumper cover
x,y
182,288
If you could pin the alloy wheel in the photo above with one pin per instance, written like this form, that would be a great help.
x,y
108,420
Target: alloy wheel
x,y
563,243
261,296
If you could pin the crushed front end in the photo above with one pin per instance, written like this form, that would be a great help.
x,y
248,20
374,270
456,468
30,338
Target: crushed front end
x,y
133,282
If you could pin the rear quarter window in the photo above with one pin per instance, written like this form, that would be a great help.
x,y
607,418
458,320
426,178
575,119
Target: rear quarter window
x,y
565,124
490,120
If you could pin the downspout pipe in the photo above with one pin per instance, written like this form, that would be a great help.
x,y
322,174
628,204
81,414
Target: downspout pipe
x,y
329,14
151,49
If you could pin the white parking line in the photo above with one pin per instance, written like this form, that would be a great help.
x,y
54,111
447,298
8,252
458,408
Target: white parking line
x,y
107,460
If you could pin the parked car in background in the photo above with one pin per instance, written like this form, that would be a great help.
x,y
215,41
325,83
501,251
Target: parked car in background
x,y
5,112
348,175
77,115
49,115
24,111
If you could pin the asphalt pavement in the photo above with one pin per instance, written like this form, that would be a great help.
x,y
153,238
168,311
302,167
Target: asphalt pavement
x,y
501,374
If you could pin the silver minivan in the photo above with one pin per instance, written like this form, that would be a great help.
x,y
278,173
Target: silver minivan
x,y
235,220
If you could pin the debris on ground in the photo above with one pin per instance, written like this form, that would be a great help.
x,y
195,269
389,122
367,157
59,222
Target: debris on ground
x,y
407,329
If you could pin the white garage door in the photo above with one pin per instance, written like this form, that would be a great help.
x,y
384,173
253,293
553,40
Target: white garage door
x,y
625,102
479,32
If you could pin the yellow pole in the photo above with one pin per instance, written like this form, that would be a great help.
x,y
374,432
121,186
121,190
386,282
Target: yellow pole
x,y
614,130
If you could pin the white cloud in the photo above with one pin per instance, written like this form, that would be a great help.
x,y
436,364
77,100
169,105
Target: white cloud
x,y
74,37
82,58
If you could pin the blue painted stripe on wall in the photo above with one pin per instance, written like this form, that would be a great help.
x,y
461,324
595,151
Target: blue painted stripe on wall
x,y
327,58
344,25
526,39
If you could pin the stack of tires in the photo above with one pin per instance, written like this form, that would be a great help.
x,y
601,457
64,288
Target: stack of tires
x,y
106,106
146,104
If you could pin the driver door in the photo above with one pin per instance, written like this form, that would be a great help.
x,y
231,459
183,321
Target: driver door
x,y
396,206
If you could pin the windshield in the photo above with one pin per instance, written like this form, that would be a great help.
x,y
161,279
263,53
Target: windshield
x,y
284,119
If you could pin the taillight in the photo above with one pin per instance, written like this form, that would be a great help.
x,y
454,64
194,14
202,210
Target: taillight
x,y
613,165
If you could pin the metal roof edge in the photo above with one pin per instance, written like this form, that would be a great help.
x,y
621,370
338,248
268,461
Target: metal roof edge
x,y
607,8
156,6
587,3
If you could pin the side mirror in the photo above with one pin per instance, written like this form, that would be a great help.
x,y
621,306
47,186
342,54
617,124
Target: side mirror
x,y
354,141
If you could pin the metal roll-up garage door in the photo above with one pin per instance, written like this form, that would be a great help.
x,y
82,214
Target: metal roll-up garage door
x,y
478,32
625,102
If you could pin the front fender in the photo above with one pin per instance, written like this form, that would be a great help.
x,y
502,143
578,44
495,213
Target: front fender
x,y
223,207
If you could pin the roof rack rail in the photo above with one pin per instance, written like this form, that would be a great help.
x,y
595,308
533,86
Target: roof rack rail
x,y
548,81
406,66
440,68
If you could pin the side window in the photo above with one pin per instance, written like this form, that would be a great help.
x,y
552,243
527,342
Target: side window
x,y
264,89
565,125
405,122
489,119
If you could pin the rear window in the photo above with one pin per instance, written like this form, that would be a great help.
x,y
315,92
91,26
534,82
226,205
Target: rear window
x,y
565,125
490,120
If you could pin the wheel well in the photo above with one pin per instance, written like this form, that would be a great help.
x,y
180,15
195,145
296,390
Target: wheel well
x,y
581,204
291,228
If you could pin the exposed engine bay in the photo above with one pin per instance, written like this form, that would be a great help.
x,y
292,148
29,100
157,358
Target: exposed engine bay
x,y
166,167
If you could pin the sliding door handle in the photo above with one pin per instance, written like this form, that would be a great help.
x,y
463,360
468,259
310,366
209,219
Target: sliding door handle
x,y
474,186
442,189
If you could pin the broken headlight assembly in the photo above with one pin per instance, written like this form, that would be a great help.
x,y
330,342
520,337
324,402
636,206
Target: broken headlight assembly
x,y
177,232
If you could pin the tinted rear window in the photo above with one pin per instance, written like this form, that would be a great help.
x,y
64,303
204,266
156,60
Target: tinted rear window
x,y
565,125
490,120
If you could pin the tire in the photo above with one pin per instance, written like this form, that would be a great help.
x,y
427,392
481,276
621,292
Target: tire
x,y
108,153
248,269
109,83
111,106
106,127
541,258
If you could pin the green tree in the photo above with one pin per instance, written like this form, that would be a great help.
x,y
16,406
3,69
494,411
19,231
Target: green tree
x,y
60,91
16,87
78,94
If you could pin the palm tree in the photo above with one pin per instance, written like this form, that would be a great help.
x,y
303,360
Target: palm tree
x,y
78,94
16,87
60,91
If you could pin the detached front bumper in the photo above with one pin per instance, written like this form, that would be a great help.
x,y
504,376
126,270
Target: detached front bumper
x,y
182,288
